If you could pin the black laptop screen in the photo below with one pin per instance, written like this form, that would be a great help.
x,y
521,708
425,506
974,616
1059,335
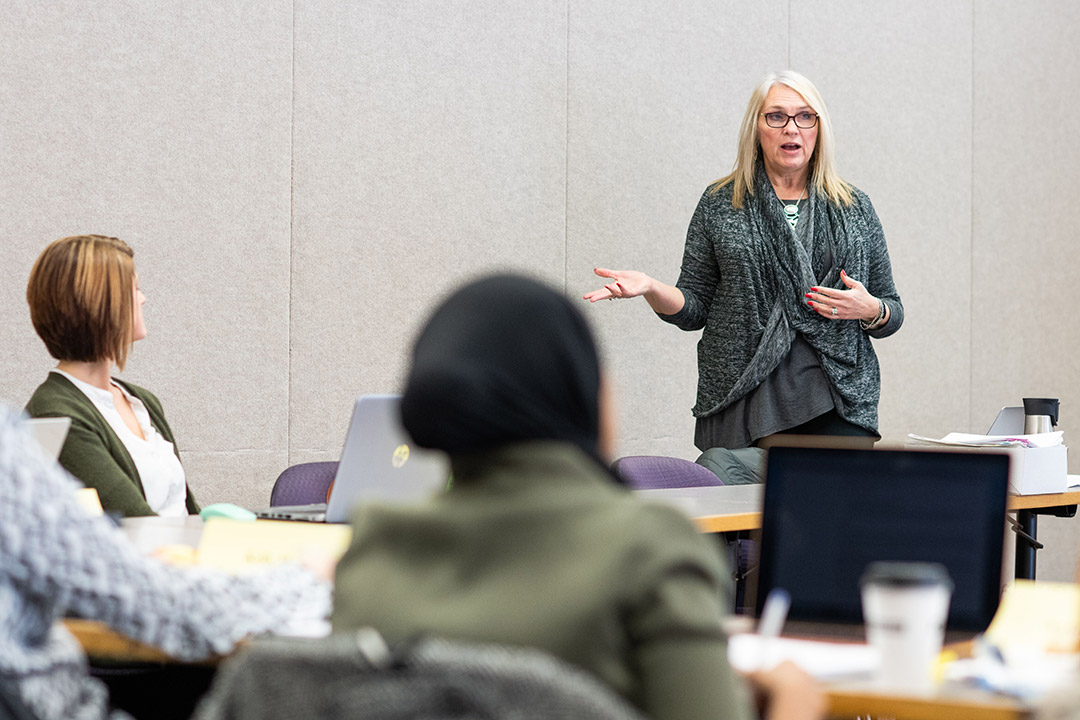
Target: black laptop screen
x,y
830,512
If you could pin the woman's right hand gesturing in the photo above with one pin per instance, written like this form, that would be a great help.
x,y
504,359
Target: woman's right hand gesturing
x,y
664,299
624,284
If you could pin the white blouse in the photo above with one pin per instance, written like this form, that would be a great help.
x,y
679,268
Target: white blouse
x,y
160,470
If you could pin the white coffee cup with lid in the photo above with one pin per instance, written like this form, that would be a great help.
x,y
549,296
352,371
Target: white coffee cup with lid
x,y
905,606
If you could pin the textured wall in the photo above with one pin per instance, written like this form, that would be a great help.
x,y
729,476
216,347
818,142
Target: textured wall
x,y
655,103
1025,274
428,147
168,126
302,180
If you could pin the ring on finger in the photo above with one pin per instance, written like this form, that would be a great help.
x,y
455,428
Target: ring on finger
x,y
834,313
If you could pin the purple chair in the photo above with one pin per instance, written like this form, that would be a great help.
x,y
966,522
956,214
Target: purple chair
x,y
303,484
652,472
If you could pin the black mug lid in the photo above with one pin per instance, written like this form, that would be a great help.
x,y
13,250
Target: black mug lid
x,y
905,574
1042,406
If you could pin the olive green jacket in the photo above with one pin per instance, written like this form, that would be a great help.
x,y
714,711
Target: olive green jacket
x,y
536,545
93,452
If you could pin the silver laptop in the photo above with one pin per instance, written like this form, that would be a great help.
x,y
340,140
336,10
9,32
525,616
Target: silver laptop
x,y
378,462
1009,421
50,433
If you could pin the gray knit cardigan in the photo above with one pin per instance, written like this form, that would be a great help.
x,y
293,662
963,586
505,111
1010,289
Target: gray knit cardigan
x,y
56,560
744,277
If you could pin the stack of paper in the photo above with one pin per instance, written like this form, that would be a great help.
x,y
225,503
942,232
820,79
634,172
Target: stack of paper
x,y
1037,440
822,659
1031,645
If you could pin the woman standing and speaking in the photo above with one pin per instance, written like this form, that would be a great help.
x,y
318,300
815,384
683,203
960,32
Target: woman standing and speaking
x,y
786,269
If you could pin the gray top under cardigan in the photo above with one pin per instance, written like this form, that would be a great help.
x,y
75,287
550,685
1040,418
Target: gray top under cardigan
x,y
744,281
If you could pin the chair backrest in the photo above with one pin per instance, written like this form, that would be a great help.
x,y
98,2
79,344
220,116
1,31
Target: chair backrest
x,y
355,675
650,472
303,484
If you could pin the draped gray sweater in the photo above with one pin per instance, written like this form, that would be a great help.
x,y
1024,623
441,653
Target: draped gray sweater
x,y
744,279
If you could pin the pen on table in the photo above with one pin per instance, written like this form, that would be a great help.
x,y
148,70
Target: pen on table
x,y
773,615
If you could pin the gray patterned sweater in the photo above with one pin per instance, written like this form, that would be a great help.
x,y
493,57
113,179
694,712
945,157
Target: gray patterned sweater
x,y
55,560
744,281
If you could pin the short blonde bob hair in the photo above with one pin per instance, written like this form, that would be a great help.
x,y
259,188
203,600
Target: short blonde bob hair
x,y
823,175
81,297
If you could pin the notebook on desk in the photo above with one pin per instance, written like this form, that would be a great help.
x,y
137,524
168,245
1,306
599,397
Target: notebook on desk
x,y
829,512
379,461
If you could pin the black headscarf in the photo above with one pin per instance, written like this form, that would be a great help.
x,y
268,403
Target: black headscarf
x,y
504,359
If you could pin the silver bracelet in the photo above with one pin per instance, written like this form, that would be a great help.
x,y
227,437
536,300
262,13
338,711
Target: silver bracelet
x,y
876,321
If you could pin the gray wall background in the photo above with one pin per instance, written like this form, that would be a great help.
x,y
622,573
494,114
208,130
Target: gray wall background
x,y
302,181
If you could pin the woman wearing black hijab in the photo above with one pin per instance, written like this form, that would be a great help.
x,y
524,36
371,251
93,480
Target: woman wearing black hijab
x,y
536,544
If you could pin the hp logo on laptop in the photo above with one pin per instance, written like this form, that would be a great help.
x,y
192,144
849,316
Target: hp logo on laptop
x,y
401,456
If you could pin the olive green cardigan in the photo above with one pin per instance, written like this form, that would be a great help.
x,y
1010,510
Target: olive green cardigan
x,y
536,545
92,452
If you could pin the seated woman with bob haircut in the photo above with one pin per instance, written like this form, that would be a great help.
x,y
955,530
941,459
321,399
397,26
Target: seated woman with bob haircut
x,y
537,544
86,306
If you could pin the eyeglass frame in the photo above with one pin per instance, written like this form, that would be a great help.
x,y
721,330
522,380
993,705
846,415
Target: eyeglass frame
x,y
790,118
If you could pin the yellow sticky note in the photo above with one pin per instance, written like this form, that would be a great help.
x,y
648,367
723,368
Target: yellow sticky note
x,y
235,546
88,500
1044,615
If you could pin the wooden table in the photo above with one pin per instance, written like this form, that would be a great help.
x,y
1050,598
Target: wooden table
x,y
950,703
719,509
102,643
148,534
845,700
735,508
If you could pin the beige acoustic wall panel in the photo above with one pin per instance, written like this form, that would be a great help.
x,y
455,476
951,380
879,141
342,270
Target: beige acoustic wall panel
x,y
166,125
1025,255
897,81
429,148
656,95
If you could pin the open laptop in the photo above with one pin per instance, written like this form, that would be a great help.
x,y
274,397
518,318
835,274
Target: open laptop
x,y
829,512
50,433
379,461
1009,421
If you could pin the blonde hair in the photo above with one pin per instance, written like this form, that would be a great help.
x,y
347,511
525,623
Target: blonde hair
x,y
824,178
81,298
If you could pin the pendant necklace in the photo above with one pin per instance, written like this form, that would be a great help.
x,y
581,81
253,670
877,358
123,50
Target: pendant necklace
x,y
791,210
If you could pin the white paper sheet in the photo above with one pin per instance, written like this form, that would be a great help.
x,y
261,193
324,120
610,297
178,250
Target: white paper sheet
x,y
822,660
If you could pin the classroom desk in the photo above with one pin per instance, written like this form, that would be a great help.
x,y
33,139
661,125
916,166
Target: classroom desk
x,y
734,508
951,703
845,700
148,534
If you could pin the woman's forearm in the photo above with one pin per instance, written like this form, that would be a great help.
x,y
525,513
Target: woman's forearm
x,y
664,299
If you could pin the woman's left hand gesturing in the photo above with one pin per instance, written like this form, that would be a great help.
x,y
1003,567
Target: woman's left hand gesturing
x,y
855,303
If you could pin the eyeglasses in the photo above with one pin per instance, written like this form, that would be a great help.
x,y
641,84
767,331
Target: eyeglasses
x,y
804,120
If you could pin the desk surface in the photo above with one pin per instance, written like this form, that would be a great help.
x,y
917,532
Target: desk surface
x,y
148,534
737,504
729,508
845,700
950,703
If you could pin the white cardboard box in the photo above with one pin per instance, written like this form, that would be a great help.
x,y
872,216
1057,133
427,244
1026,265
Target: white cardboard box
x,y
1036,471
1032,471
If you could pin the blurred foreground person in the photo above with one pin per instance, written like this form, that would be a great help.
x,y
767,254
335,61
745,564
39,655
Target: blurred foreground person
x,y
536,544
56,561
